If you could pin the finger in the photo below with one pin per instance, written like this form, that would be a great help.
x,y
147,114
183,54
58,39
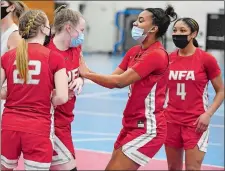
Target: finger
x,y
198,127
72,85
76,87
196,121
79,90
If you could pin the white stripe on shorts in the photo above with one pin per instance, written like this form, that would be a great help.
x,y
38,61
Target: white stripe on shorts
x,y
203,142
9,164
131,148
32,165
63,154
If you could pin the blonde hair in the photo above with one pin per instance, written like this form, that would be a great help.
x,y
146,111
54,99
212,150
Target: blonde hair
x,y
29,26
63,16
20,8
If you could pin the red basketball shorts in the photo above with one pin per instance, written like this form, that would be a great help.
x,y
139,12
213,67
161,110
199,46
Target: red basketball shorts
x,y
37,150
64,153
179,136
142,144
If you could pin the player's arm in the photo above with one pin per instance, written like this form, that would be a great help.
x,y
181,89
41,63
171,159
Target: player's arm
x,y
3,89
57,65
61,87
214,74
141,69
13,40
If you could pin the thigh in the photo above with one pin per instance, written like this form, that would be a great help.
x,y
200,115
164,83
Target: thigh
x,y
64,153
194,158
10,148
37,151
174,158
120,161
195,145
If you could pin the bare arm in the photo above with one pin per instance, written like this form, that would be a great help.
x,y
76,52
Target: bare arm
x,y
118,71
219,97
114,81
61,88
13,40
3,90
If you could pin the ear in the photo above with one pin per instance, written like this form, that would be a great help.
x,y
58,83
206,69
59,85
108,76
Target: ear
x,y
67,27
194,34
154,29
11,8
42,28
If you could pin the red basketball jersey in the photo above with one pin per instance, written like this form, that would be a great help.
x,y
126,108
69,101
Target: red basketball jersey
x,y
27,106
64,113
147,96
188,86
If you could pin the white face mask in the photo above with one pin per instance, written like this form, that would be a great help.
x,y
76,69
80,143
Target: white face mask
x,y
137,34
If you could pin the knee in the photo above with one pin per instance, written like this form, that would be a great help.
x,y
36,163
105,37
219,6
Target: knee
x,y
194,166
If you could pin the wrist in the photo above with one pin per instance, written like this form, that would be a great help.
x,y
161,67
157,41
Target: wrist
x,y
209,113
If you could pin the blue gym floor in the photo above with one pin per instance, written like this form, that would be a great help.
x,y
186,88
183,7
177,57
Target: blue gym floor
x,y
98,114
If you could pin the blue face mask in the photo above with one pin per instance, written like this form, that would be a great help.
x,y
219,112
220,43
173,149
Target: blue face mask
x,y
77,41
137,34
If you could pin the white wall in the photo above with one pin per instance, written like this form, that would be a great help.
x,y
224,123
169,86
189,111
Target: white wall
x,y
195,9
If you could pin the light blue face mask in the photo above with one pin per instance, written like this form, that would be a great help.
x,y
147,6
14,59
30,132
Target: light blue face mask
x,y
77,41
137,34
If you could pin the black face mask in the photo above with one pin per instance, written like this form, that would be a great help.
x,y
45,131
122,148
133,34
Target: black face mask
x,y
4,13
180,41
47,38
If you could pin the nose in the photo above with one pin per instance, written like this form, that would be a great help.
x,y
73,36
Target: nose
x,y
135,23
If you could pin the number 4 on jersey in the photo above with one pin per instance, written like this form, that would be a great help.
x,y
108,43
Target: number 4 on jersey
x,y
181,90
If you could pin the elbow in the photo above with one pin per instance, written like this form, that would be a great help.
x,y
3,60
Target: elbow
x,y
119,84
63,99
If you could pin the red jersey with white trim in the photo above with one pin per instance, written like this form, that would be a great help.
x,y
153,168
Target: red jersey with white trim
x,y
27,107
64,113
188,86
146,96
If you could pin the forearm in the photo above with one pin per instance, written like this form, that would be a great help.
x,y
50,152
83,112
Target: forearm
x,y
108,81
218,100
3,94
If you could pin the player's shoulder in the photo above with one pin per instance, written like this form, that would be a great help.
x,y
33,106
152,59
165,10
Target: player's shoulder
x,y
134,48
204,57
173,54
11,54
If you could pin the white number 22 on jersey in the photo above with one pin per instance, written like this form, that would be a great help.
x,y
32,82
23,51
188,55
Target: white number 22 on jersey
x,y
35,71
181,90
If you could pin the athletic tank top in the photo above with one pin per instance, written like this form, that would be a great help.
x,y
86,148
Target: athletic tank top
x,y
5,37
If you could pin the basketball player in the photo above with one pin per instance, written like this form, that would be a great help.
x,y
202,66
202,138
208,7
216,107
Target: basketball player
x,y
145,70
10,10
68,27
32,71
188,112
9,30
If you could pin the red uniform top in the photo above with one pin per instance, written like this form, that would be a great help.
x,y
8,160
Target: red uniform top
x,y
188,86
147,96
64,113
27,106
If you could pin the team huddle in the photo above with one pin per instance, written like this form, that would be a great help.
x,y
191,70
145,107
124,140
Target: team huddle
x,y
43,70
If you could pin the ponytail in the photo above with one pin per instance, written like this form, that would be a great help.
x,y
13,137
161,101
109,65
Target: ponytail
x,y
195,43
22,59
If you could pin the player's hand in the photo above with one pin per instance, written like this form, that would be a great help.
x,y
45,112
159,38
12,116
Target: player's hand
x,y
83,69
76,85
202,122
71,94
